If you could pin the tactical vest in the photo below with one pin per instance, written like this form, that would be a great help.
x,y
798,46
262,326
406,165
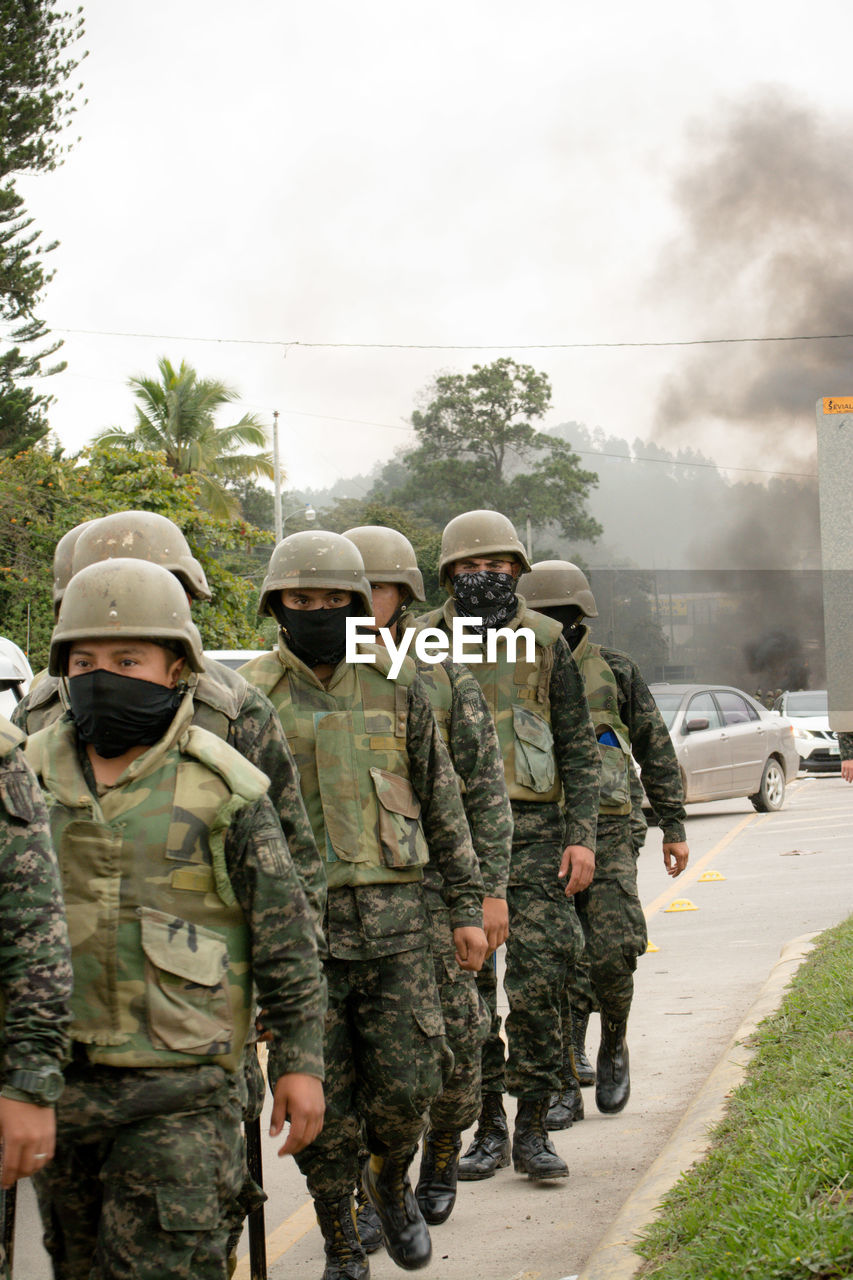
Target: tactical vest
x,y
349,743
160,948
517,694
602,694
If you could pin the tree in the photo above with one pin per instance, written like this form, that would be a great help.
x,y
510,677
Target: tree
x,y
478,447
35,108
43,495
175,415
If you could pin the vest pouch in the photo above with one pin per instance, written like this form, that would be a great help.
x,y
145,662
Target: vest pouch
x,y
400,835
615,779
186,967
535,763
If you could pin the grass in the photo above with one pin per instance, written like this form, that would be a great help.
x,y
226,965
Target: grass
x,y
773,1198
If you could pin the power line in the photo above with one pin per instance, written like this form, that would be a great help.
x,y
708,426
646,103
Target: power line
x,y
452,346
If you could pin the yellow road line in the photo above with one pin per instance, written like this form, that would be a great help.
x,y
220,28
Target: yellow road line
x,y
687,877
280,1240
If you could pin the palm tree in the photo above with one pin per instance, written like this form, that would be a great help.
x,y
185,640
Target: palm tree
x,y
175,415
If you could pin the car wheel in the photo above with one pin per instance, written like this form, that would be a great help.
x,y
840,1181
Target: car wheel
x,y
770,795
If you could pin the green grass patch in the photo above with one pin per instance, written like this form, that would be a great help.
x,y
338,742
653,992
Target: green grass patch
x,y
773,1198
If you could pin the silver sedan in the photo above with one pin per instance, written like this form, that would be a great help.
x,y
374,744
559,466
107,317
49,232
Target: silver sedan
x,y
727,744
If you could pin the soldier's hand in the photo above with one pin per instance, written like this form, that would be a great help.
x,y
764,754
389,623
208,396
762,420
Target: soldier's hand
x,y
298,1098
495,922
675,855
29,1134
580,861
847,770
471,947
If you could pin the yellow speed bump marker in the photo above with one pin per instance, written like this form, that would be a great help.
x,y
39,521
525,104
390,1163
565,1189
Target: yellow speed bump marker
x,y
651,947
681,904
710,875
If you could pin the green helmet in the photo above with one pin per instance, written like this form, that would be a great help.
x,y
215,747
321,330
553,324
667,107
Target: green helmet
x,y
124,597
478,533
552,583
62,562
388,557
142,535
316,559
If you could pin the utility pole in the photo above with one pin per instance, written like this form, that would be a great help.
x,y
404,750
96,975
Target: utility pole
x,y
276,476
529,540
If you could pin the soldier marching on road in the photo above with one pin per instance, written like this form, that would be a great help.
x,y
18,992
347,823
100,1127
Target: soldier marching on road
x,y
627,722
382,797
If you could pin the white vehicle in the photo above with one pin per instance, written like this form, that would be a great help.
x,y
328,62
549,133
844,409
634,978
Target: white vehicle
x,y
816,743
15,676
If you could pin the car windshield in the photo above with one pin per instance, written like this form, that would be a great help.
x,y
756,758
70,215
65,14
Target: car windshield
x,y
811,702
668,704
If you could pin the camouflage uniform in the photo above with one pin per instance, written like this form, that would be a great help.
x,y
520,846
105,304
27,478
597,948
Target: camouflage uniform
x,y
35,958
544,931
182,900
385,1052
845,746
610,910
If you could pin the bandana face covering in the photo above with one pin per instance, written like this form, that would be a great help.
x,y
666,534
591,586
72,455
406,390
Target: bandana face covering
x,y
317,636
490,596
114,712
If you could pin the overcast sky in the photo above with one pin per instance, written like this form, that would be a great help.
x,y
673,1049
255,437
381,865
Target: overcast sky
x,y
476,172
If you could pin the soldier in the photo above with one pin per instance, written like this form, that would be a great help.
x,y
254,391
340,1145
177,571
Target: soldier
x,y
845,750
181,899
550,759
466,727
627,722
382,797
35,972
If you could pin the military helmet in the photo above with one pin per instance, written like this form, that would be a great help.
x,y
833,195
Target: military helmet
x,y
142,535
62,562
552,583
316,558
478,533
124,597
388,557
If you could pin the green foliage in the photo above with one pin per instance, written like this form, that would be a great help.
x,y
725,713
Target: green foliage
x,y
43,495
425,537
35,107
626,618
478,447
175,416
773,1200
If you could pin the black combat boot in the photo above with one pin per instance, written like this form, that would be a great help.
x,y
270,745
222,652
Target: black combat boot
x,y
390,1192
566,1107
345,1257
490,1149
532,1150
436,1189
585,1069
367,1221
612,1077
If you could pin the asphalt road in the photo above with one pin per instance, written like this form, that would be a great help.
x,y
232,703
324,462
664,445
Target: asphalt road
x,y
785,874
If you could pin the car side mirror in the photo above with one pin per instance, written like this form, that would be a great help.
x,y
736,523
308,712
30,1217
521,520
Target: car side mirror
x,y
693,726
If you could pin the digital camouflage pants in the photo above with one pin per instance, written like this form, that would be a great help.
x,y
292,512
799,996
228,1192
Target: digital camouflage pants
x,y
386,1060
147,1175
544,939
466,1024
613,924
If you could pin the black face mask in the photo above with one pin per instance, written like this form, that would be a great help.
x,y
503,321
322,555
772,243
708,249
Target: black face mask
x,y
317,636
570,620
114,712
490,596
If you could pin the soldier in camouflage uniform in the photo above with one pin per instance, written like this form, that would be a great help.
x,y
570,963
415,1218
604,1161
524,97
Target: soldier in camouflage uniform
x,y
466,726
35,971
845,750
627,723
182,900
382,797
551,768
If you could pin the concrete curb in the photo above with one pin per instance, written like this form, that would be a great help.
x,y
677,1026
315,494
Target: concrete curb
x,y
613,1257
